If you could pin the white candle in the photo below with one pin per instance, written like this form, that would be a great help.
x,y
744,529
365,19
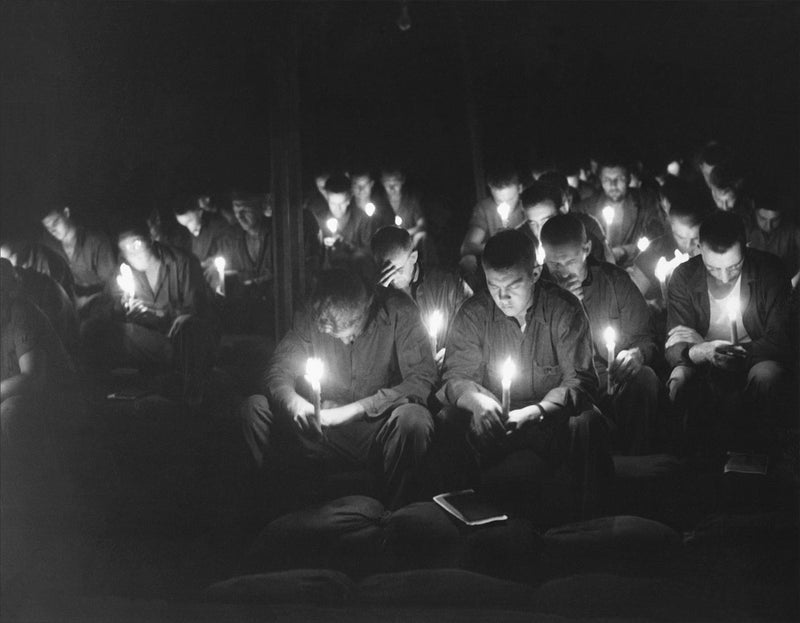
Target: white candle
x,y
126,283
662,272
333,225
314,376
608,216
642,244
398,221
369,209
610,337
435,322
507,373
219,264
540,255
504,211
733,312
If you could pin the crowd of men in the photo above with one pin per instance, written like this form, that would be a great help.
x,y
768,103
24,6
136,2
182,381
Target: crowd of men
x,y
592,311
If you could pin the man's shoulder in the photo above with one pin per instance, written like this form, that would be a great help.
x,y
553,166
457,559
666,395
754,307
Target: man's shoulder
x,y
395,302
612,272
688,269
589,205
766,266
556,299
484,205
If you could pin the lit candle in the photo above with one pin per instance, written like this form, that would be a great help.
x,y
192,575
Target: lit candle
x,y
642,244
333,225
662,272
314,376
508,371
540,255
398,221
674,168
610,337
219,264
504,210
126,283
435,322
608,216
733,312
369,209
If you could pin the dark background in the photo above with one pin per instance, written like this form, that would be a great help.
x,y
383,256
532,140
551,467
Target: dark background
x,y
122,106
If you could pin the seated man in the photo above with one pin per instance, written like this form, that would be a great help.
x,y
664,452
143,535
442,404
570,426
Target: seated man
x,y
631,397
684,236
406,207
769,227
91,260
544,331
208,231
166,323
377,375
727,182
348,229
542,201
362,186
502,210
42,259
433,290
316,200
729,293
628,214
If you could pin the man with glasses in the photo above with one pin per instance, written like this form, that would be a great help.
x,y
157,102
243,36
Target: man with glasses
x,y
727,341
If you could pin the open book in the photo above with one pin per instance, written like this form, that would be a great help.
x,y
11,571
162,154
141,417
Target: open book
x,y
469,507
743,463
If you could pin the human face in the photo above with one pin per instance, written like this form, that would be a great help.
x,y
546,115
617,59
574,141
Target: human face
x,y
706,169
393,184
615,182
725,199
192,220
405,261
539,214
768,220
350,326
247,216
320,182
511,289
723,268
686,236
567,260
136,252
337,203
362,188
57,224
506,194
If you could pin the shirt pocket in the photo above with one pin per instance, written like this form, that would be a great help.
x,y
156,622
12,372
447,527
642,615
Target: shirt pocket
x,y
545,378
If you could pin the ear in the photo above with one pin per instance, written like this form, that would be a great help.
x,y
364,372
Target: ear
x,y
537,272
413,256
587,247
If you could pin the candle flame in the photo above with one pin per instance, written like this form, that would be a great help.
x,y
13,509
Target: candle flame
x,y
504,210
333,225
733,309
610,336
398,221
679,258
219,263
314,370
674,168
435,322
662,269
508,370
608,215
369,209
125,280
540,255
643,243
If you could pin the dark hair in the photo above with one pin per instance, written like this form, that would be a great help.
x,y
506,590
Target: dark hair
x,y
388,240
539,193
135,229
186,205
774,202
393,168
338,184
714,153
563,229
507,249
613,160
727,175
555,178
339,297
687,211
360,169
502,175
721,230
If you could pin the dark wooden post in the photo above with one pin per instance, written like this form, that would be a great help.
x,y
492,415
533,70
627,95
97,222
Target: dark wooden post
x,y
286,169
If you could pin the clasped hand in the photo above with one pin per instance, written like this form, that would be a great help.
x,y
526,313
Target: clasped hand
x,y
626,365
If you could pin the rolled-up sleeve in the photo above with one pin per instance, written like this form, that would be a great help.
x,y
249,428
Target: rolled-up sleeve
x,y
287,364
680,311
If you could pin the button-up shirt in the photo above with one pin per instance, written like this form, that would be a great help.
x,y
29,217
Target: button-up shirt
x,y
249,265
553,355
389,364
92,262
210,240
439,290
783,242
764,304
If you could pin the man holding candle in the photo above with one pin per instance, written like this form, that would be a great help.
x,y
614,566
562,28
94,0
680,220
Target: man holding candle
x,y
208,231
630,389
374,204
749,379
627,213
378,372
545,333
348,245
486,219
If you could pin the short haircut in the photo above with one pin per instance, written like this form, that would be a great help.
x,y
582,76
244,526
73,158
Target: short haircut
x,y
338,184
341,297
714,153
689,212
539,193
360,169
563,229
502,175
135,229
773,202
186,205
722,230
727,176
507,249
391,169
614,161
555,178
389,240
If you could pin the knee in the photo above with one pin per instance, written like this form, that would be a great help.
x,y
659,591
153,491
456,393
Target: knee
x,y
254,411
590,423
766,375
679,378
647,382
413,422
16,414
